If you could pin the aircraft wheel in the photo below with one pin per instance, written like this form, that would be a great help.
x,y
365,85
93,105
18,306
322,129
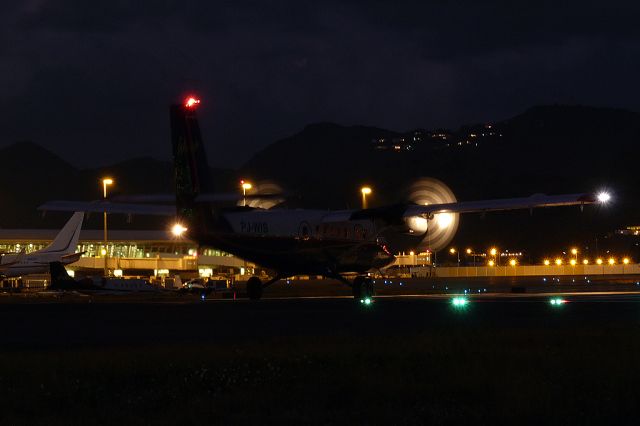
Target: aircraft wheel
x,y
358,286
254,288
368,290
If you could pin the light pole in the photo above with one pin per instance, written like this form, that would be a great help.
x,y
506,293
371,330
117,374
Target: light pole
x,y
574,252
493,252
105,183
472,254
365,190
452,250
245,187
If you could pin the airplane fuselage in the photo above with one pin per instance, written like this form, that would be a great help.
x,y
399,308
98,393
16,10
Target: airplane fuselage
x,y
17,265
300,241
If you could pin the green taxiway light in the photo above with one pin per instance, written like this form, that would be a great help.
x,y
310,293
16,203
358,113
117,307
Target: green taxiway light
x,y
556,301
460,302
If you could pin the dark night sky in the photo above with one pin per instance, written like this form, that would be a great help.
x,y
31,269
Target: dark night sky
x,y
92,80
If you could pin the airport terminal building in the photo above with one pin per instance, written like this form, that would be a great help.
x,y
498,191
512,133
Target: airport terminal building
x,y
132,253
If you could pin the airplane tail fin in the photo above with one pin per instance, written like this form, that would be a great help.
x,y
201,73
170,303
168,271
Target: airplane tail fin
x,y
191,169
67,239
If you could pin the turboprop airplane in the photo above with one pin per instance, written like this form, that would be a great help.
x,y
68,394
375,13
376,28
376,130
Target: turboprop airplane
x,y
62,249
301,241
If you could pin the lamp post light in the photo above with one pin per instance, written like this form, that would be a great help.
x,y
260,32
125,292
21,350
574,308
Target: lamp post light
x,y
470,252
599,262
574,252
493,252
365,190
105,182
452,250
245,187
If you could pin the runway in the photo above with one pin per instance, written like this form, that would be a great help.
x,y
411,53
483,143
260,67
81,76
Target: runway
x,y
111,322
502,358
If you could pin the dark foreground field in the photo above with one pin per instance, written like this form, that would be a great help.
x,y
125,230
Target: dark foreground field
x,y
402,361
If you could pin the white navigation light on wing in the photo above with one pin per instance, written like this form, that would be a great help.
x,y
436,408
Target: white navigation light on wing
x,y
178,230
604,197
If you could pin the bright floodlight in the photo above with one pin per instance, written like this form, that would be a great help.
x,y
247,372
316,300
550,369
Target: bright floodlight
x,y
246,186
604,197
365,190
191,102
177,230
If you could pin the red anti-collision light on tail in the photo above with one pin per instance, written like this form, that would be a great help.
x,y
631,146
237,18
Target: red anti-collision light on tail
x,y
191,102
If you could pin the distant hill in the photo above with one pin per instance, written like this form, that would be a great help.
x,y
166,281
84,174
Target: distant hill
x,y
31,175
547,149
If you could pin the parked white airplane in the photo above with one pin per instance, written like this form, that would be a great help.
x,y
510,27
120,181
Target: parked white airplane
x,y
62,249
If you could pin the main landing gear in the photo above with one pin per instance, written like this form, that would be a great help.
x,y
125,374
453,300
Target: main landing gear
x,y
363,289
255,286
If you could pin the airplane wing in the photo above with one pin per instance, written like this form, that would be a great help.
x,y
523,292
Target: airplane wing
x,y
106,206
202,198
534,201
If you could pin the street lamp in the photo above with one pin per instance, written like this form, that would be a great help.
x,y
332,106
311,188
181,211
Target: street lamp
x,y
105,182
493,252
472,254
365,190
574,252
454,251
245,187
